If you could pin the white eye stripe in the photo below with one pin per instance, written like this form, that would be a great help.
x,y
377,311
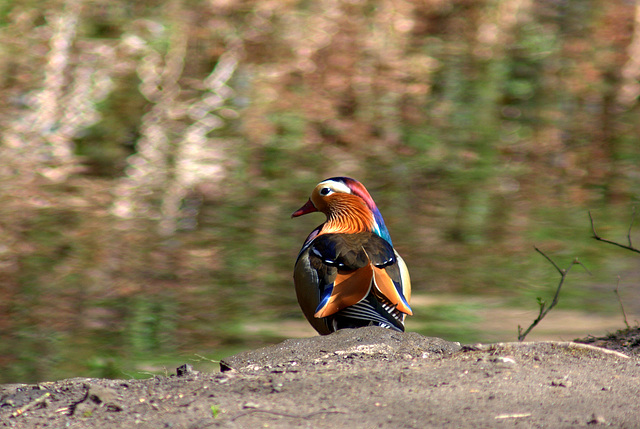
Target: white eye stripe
x,y
333,186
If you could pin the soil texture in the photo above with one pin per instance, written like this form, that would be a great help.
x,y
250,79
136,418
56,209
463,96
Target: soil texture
x,y
360,378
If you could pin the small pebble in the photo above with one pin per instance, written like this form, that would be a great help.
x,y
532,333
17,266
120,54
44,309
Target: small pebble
x,y
504,360
596,420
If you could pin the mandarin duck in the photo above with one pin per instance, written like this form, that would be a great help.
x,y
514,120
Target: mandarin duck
x,y
348,274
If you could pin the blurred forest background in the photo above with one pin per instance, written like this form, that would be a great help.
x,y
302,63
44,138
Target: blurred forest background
x,y
151,153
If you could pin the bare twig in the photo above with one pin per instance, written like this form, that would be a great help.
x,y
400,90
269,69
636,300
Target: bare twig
x,y
633,218
628,247
38,402
277,413
624,313
202,358
543,305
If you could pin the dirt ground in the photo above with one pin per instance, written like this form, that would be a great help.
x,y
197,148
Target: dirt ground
x,y
364,378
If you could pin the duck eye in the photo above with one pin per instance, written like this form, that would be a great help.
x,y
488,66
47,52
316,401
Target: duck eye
x,y
325,191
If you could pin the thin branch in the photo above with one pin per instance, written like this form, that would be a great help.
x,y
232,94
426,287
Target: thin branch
x,y
277,413
624,313
633,218
544,310
40,401
628,247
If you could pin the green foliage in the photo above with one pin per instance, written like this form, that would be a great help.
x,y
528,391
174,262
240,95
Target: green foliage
x,y
215,410
151,324
106,144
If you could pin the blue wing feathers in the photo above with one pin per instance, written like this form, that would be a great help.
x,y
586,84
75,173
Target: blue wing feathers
x,y
325,294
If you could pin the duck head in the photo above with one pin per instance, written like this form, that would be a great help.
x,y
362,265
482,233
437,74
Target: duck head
x,y
348,206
